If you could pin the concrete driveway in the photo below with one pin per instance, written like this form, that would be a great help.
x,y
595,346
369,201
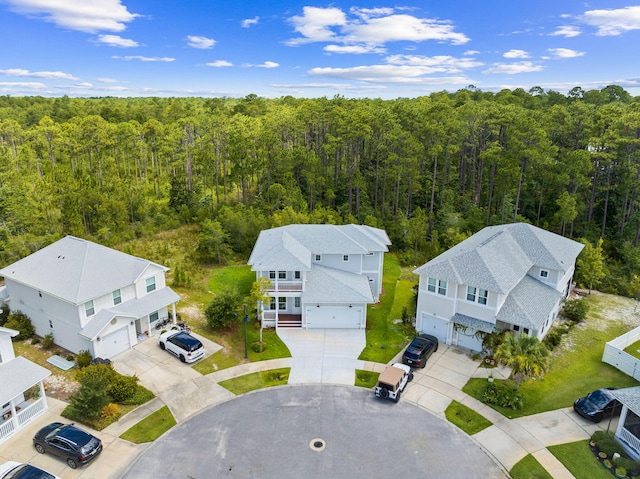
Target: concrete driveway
x,y
324,356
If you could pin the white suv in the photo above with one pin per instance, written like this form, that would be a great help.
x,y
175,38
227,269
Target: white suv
x,y
393,381
182,345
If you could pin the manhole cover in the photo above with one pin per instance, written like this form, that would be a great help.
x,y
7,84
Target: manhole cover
x,y
317,444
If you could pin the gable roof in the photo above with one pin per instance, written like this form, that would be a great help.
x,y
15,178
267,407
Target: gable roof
x,y
18,375
630,397
329,285
291,247
77,270
497,258
529,304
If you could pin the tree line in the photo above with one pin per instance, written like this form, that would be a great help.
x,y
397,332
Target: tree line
x,y
430,170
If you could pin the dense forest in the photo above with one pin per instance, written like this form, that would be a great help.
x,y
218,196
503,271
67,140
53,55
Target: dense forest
x,y
430,170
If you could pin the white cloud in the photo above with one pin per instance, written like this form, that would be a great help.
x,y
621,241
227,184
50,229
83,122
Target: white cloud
x,y
219,63
18,84
471,52
369,27
268,65
566,31
354,49
564,53
397,74
144,59
513,68
613,22
86,16
439,63
106,80
202,43
116,41
250,21
19,72
516,54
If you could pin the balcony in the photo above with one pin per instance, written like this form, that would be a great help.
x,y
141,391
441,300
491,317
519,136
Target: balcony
x,y
283,286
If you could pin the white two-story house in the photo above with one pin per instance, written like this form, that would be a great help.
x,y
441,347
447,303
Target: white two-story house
x,y
321,276
88,296
509,277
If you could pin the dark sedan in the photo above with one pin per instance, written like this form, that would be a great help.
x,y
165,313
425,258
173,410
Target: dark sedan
x,y
597,405
74,445
420,349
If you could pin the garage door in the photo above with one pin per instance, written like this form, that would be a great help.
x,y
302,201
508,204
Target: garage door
x,y
328,317
116,342
435,326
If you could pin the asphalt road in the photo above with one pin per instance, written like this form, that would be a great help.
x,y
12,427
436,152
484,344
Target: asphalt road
x,y
314,432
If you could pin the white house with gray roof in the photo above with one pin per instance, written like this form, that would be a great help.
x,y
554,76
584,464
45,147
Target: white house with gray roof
x,y
22,395
88,296
628,430
321,276
508,277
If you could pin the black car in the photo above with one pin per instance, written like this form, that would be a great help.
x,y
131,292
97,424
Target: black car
x,y
420,349
76,446
597,405
16,470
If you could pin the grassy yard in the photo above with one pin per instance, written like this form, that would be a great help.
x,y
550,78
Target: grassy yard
x,y
633,349
466,418
574,371
577,457
529,468
151,427
366,379
259,380
386,335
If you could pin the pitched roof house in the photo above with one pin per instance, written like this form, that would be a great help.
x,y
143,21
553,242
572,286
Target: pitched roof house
x,y
513,277
628,430
88,296
322,276
22,396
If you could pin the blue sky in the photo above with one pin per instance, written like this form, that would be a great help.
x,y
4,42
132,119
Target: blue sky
x,y
309,49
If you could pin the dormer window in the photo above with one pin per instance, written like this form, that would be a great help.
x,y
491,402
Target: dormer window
x,y
544,273
151,284
88,308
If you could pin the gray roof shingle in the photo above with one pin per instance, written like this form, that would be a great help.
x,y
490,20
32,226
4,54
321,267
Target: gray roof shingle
x,y
329,285
630,397
529,304
18,375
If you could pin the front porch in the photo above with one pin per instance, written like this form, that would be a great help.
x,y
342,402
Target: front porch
x,y
271,318
22,397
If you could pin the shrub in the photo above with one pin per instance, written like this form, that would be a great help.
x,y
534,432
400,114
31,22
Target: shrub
x,y
4,314
69,357
629,465
83,359
502,396
47,341
223,310
122,388
491,342
111,412
93,394
575,310
554,337
609,445
21,323
259,347
35,341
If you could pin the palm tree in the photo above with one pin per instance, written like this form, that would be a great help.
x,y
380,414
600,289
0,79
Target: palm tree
x,y
525,355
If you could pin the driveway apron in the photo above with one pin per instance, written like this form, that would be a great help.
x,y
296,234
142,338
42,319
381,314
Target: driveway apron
x,y
327,356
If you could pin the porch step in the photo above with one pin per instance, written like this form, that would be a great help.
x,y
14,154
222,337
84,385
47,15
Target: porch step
x,y
290,323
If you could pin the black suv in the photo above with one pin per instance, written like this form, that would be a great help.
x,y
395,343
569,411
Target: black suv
x,y
67,441
419,350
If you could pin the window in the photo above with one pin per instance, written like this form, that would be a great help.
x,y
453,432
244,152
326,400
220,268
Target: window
x,y
282,303
117,298
88,308
525,330
318,258
153,317
296,302
296,274
544,273
483,294
369,254
516,327
282,275
272,304
51,324
442,287
431,285
345,257
151,284
272,275
471,293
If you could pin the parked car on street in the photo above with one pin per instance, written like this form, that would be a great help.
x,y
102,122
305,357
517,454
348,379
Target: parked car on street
x,y
17,470
420,349
597,405
182,345
393,381
67,441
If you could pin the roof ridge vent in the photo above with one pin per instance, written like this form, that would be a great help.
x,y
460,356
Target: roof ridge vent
x,y
490,238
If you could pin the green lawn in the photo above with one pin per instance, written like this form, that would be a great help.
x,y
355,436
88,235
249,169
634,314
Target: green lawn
x,y
239,276
385,338
366,379
466,418
259,380
572,373
151,427
578,458
633,349
529,468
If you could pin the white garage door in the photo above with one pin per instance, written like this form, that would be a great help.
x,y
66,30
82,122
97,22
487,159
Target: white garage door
x,y
468,340
116,342
435,326
328,317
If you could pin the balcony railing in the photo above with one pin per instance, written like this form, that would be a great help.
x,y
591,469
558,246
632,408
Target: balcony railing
x,y
25,412
277,285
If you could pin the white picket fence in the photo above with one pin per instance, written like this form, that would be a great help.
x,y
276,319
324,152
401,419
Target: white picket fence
x,y
614,354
